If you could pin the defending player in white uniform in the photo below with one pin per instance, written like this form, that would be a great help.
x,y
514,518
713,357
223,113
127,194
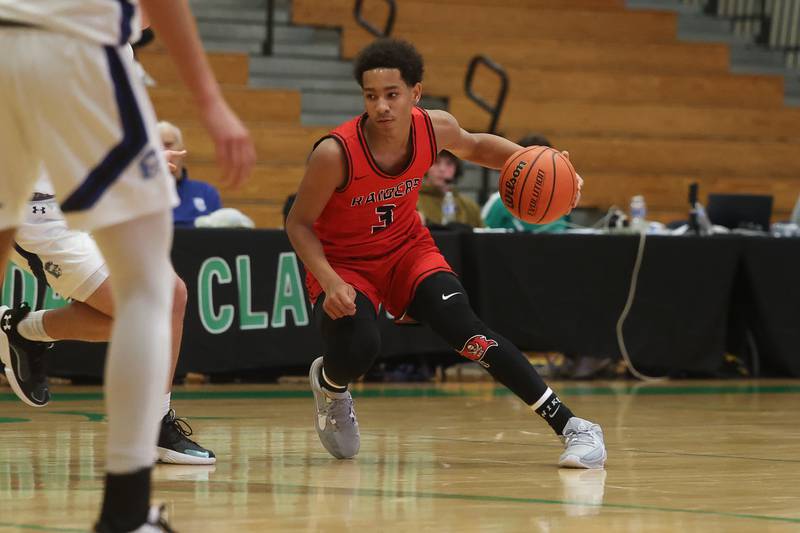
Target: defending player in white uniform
x,y
71,264
71,103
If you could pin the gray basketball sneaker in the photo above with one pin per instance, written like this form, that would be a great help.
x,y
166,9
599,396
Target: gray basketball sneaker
x,y
335,419
583,445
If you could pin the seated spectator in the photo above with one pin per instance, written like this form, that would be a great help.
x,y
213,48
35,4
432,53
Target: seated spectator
x,y
197,198
440,179
496,215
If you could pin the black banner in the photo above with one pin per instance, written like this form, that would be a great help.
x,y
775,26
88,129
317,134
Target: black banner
x,y
696,298
566,293
248,308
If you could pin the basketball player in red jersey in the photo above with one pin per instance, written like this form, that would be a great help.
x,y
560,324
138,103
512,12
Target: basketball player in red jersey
x,y
354,225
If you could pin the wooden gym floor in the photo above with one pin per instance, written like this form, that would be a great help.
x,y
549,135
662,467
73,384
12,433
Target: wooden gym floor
x,y
683,456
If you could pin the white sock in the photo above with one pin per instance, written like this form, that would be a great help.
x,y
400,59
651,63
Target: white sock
x,y
166,405
32,327
137,253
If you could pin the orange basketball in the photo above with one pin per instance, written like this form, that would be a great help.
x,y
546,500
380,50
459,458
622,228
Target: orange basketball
x,y
538,185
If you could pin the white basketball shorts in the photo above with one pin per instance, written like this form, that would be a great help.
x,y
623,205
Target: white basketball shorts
x,y
79,110
68,260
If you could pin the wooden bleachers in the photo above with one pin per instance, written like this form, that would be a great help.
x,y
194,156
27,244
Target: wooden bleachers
x,y
639,111
273,117
564,54
253,105
712,90
567,22
633,120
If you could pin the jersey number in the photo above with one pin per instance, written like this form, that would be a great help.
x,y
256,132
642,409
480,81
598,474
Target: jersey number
x,y
385,217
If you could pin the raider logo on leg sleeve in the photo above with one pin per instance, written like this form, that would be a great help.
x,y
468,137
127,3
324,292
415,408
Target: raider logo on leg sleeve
x,y
476,347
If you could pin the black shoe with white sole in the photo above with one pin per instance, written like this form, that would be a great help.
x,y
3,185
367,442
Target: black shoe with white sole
x,y
23,358
175,446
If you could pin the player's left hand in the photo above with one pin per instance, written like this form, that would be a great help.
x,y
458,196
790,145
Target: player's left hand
x,y
565,153
173,158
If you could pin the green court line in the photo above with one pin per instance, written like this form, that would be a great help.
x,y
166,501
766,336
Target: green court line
x,y
614,449
90,417
539,501
381,493
6,420
437,392
288,488
34,527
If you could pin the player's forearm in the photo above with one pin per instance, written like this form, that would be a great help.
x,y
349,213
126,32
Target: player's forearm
x,y
174,24
491,151
308,247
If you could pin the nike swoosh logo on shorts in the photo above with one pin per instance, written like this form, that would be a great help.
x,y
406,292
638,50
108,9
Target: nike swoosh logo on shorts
x,y
446,297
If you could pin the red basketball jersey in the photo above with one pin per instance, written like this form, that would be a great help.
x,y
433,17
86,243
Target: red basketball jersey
x,y
374,213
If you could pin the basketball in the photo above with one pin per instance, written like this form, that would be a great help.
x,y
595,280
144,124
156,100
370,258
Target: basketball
x,y
538,185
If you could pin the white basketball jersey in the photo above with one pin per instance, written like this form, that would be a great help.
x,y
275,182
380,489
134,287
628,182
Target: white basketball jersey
x,y
108,22
43,185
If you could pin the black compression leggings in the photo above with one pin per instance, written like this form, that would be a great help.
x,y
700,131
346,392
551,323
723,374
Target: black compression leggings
x,y
440,301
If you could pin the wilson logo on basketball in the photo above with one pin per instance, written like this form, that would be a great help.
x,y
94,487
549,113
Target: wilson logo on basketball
x,y
508,194
476,347
537,191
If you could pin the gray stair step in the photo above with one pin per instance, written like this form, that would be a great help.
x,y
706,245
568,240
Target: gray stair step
x,y
324,119
332,116
676,6
301,34
307,50
256,29
752,58
351,102
299,67
792,101
232,31
215,13
303,83
319,102
234,4
246,47
704,28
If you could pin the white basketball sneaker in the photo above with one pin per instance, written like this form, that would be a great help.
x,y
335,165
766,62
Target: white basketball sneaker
x,y
583,445
335,418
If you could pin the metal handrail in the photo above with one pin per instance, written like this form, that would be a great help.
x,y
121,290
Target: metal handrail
x,y
269,38
493,109
364,23
743,14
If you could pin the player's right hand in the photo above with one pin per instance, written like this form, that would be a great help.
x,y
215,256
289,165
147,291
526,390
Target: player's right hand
x,y
236,153
340,300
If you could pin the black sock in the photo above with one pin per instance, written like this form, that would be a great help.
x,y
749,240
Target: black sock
x,y
327,386
554,412
126,502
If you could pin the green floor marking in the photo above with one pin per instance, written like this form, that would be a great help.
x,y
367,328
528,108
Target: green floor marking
x,y
4,420
91,417
288,488
34,527
380,493
439,392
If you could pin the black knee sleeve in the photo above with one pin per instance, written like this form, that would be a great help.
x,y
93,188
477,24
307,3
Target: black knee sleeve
x,y
351,343
441,302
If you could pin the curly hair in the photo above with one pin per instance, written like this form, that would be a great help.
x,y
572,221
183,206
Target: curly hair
x,y
390,53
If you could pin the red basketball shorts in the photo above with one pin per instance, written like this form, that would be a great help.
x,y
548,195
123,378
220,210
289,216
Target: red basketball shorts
x,y
391,279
